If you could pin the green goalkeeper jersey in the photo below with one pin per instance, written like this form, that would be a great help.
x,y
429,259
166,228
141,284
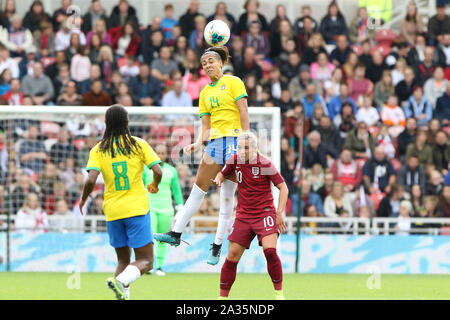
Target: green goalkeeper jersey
x,y
161,202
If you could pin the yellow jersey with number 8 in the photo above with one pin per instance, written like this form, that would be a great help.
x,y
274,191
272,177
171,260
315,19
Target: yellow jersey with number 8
x,y
219,101
125,194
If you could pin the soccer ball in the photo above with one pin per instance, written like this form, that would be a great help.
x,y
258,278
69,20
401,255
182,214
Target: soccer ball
x,y
217,33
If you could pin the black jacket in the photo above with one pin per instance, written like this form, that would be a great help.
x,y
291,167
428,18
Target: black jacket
x,y
330,28
114,18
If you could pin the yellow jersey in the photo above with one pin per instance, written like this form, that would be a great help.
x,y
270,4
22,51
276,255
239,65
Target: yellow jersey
x,y
219,101
125,194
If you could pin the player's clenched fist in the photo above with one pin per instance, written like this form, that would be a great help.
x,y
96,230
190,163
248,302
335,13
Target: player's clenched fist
x,y
152,188
218,179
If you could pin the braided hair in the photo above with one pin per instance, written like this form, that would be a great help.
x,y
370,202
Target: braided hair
x,y
117,137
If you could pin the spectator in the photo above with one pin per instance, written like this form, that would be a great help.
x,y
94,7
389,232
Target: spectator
x,y
101,31
443,49
417,199
61,80
74,46
96,206
196,38
333,24
258,40
444,203
329,135
404,89
6,62
425,69
337,201
376,67
322,69
411,24
384,89
130,69
177,97
339,55
31,216
367,113
276,82
187,21
345,121
249,64
38,85
5,79
435,184
347,171
359,29
60,14
69,97
44,40
398,73
433,127
436,86
47,179
281,35
80,65
94,13
125,40
441,152
393,116
385,140
32,152
21,189
251,14
168,22
152,41
442,111
221,14
308,197
358,85
416,54
63,149
35,16
418,107
378,172
348,68
64,36
332,87
145,88
19,37
106,62
163,66
53,69
194,82
335,105
407,137
411,173
14,96
360,142
291,67
421,148
328,181
315,45
96,96
403,225
121,14
316,152
390,205
67,220
438,23
312,98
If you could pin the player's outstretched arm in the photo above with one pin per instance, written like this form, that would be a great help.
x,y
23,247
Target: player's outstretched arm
x,y
243,110
282,200
88,188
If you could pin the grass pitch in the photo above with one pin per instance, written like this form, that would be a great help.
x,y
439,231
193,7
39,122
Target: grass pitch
x,y
92,286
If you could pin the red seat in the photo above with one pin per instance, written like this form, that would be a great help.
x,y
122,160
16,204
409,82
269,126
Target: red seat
x,y
445,231
385,37
383,48
396,164
79,143
160,130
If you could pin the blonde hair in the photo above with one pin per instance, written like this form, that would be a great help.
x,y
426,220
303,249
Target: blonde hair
x,y
105,48
250,137
406,204
316,35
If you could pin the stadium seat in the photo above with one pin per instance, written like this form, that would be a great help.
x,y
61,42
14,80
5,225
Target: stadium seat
x,y
445,231
383,48
385,37
396,164
79,143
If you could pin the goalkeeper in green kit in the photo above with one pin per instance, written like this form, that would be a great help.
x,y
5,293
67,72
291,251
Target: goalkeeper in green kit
x,y
161,204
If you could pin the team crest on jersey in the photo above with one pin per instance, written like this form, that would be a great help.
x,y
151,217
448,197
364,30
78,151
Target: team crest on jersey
x,y
222,88
255,171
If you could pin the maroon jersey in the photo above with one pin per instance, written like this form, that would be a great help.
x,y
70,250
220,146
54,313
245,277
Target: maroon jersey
x,y
254,190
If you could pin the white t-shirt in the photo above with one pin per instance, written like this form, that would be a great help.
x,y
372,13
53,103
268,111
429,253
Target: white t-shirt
x,y
370,115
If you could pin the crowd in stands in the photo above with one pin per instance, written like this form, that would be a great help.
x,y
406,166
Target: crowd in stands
x,y
370,106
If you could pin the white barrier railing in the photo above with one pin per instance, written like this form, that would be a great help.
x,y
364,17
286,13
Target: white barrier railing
x,y
309,225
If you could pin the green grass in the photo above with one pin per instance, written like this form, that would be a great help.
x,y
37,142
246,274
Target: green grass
x,y
53,286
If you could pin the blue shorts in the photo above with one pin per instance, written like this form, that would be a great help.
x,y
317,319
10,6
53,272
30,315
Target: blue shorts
x,y
134,232
221,149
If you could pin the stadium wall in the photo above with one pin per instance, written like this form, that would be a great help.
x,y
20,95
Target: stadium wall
x,y
91,252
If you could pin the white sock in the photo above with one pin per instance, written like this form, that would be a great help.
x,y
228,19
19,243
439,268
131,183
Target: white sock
x,y
190,208
130,274
126,291
227,191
